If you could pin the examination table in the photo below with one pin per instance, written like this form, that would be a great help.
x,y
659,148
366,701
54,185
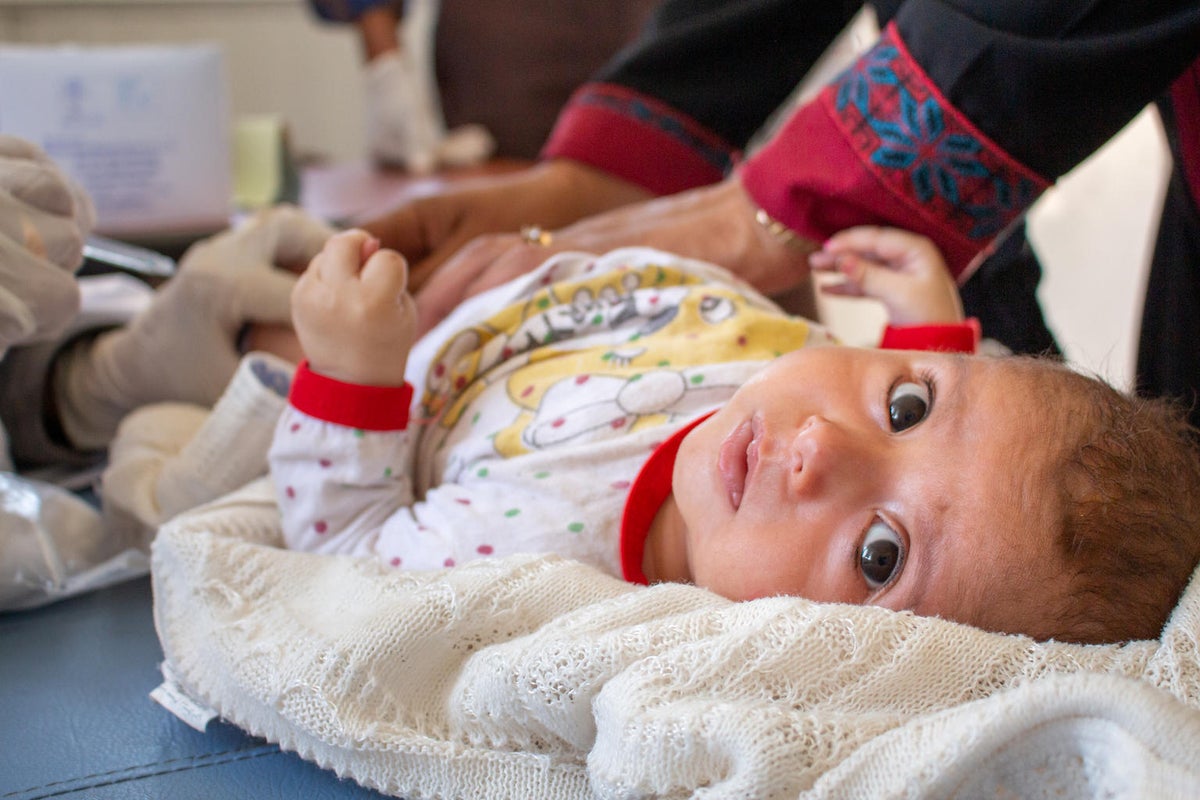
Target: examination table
x,y
78,721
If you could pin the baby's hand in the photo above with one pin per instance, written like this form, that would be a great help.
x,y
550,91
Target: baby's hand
x,y
903,270
354,317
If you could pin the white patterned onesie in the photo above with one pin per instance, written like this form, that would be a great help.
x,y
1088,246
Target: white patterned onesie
x,y
535,418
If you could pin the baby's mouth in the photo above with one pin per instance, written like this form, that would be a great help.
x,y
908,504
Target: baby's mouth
x,y
737,458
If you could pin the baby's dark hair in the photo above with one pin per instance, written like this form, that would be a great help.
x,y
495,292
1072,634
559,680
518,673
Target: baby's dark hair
x,y
1129,525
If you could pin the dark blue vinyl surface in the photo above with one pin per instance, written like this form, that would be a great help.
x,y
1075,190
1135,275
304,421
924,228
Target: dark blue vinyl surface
x,y
76,719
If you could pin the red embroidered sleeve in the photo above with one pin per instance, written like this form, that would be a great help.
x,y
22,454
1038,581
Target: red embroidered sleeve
x,y
638,139
881,145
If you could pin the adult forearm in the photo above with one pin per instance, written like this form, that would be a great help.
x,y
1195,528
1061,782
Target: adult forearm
x,y
554,193
377,29
675,109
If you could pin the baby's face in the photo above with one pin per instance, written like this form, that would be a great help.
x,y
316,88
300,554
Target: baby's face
x,y
909,480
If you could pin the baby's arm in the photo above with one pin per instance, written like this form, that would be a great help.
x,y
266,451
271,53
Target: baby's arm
x,y
903,270
353,315
341,454
341,489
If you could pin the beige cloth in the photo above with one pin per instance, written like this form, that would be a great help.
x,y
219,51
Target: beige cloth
x,y
537,676
169,457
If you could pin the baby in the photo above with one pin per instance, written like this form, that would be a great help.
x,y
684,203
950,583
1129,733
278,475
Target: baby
x,y
658,418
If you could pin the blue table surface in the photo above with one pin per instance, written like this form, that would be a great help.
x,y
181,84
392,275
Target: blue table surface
x,y
76,719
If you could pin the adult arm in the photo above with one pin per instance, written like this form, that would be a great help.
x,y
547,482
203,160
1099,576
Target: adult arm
x,y
675,109
62,399
918,134
45,217
184,345
351,10
672,111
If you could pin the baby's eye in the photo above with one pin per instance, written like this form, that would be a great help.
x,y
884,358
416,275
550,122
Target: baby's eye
x,y
908,403
880,555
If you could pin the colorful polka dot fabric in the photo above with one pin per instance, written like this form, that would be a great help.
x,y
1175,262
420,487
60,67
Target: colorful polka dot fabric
x,y
535,418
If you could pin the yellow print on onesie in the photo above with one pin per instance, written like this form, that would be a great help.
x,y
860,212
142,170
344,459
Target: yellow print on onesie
x,y
601,356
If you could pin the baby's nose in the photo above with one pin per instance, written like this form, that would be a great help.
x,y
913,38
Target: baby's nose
x,y
823,451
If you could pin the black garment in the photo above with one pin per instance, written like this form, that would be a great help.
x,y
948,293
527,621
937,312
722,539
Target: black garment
x,y
1169,347
1002,295
1074,72
1063,69
1051,81
728,64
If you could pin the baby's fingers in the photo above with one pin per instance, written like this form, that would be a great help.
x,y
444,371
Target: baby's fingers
x,y
888,245
823,260
865,278
386,272
342,256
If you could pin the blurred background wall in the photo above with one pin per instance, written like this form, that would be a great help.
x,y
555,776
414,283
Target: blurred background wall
x,y
511,64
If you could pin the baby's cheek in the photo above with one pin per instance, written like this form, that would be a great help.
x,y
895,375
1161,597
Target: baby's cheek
x,y
729,569
273,338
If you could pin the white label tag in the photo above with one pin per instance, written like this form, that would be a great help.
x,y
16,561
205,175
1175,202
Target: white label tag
x,y
174,698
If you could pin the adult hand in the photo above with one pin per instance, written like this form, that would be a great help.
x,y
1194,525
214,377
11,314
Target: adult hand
x,y
44,219
40,206
184,346
430,230
404,121
715,224
403,124
37,299
355,319
901,269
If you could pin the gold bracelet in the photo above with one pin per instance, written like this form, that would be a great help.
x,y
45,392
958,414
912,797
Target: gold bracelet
x,y
777,229
537,235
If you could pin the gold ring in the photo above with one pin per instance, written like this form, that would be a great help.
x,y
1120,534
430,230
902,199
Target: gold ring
x,y
778,230
537,235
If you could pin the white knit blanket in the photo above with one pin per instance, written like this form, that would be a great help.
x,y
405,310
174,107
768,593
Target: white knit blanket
x,y
539,677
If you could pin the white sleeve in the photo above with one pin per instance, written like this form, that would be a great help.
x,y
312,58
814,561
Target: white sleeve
x,y
338,486
346,491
